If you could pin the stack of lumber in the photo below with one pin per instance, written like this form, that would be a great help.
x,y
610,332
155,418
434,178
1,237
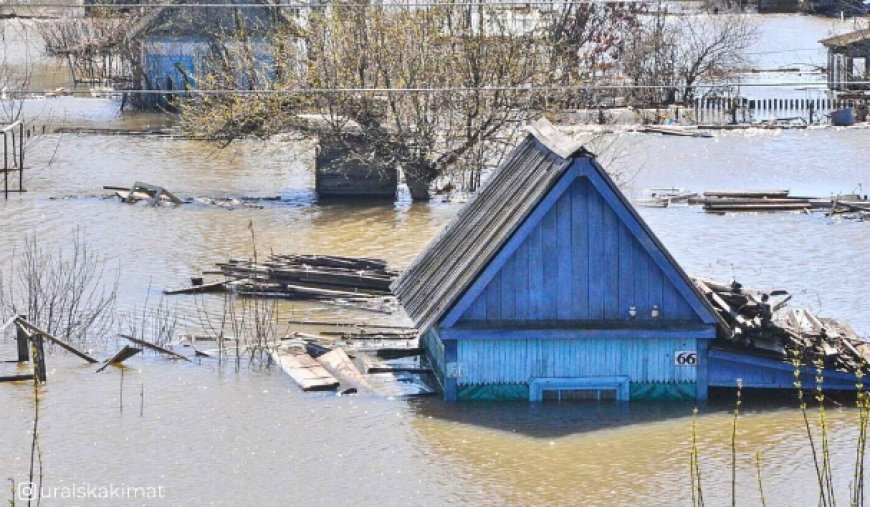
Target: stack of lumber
x,y
306,277
761,322
735,201
310,276
851,208
673,131
720,201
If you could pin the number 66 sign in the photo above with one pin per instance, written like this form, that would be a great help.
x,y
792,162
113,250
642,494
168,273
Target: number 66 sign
x,y
686,358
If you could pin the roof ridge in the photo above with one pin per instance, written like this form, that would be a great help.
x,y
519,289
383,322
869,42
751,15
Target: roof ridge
x,y
547,134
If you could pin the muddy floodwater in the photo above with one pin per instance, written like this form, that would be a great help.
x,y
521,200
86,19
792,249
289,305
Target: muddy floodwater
x,y
217,435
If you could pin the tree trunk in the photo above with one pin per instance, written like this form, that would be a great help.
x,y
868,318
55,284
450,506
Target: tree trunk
x,y
419,177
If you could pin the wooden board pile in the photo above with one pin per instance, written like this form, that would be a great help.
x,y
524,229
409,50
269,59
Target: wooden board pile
x,y
735,201
310,276
722,201
762,322
384,360
851,209
363,283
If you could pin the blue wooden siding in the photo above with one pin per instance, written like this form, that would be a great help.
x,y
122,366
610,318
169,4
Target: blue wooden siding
x,y
579,263
500,361
165,57
726,367
163,71
435,348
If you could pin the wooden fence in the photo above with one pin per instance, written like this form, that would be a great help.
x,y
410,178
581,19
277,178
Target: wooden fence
x,y
13,155
719,110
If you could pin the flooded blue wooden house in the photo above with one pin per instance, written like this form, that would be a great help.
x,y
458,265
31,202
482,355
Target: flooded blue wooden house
x,y
177,45
549,285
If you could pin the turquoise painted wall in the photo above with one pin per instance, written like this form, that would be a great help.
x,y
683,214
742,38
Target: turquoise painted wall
x,y
511,361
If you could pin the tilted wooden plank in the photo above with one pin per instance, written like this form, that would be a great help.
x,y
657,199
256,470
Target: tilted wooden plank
x,y
339,363
122,355
305,371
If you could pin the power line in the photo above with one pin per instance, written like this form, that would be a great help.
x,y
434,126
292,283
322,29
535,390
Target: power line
x,y
309,91
553,3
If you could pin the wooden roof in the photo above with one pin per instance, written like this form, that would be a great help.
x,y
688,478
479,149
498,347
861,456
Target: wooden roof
x,y
442,274
452,261
848,39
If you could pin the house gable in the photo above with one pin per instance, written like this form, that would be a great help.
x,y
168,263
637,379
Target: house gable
x,y
582,258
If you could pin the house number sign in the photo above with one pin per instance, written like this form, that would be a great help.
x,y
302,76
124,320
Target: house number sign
x,y
686,358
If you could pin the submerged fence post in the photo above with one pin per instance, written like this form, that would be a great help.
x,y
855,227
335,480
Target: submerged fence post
x,y
38,357
21,157
5,165
23,347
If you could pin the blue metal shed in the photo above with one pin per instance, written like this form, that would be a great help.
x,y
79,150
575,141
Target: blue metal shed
x,y
549,285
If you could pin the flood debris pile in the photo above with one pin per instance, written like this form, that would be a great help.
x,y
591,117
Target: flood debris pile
x,y
31,339
735,201
721,202
155,195
763,323
384,360
357,282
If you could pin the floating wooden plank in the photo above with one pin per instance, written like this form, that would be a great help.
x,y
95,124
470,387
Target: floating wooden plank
x,y
158,348
396,353
756,207
317,292
747,193
197,289
66,346
345,324
338,362
673,131
122,355
305,371
374,365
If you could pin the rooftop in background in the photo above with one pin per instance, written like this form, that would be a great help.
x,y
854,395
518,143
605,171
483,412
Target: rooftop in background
x,y
848,39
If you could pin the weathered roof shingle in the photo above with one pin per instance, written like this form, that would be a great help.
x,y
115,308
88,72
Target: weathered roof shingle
x,y
453,260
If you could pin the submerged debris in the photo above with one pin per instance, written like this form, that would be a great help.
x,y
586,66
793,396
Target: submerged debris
x,y
145,192
720,202
357,282
155,195
762,322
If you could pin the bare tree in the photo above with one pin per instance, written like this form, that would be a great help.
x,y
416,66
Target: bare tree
x,y
15,68
68,291
419,88
90,45
672,55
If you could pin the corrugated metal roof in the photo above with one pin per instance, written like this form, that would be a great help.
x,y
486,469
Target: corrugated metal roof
x,y
466,245
847,39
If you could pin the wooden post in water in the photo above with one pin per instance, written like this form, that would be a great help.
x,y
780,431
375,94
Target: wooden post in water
x,y
23,346
5,166
21,157
38,357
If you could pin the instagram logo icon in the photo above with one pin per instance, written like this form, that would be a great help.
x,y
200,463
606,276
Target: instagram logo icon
x,y
26,491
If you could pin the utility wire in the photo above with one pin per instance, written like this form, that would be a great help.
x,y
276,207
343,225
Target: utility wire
x,y
361,5
307,91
